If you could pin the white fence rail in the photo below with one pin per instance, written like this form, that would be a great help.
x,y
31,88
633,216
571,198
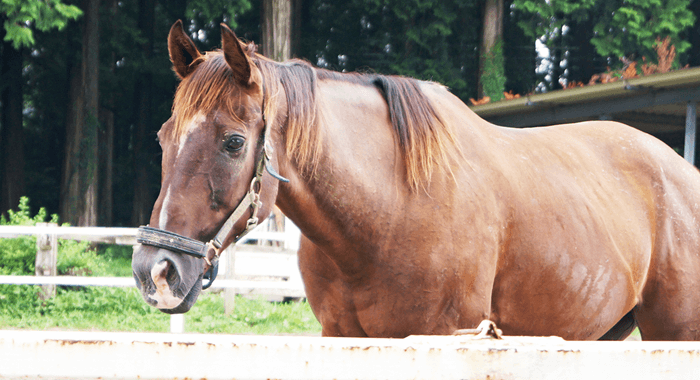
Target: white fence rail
x,y
127,236
248,287
88,355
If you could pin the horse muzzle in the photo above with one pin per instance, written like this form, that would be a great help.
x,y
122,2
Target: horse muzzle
x,y
167,280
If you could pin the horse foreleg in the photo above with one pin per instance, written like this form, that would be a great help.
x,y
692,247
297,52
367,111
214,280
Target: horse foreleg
x,y
328,296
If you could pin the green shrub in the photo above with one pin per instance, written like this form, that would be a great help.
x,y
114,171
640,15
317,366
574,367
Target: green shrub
x,y
115,260
76,259
493,78
18,255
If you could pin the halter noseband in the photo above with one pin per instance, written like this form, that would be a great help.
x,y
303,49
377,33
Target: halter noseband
x,y
211,250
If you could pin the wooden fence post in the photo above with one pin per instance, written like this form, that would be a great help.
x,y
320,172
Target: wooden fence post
x,y
230,293
46,258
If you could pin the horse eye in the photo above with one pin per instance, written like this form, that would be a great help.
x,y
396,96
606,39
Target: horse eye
x,y
234,144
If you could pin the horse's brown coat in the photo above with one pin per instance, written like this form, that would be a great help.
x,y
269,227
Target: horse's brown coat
x,y
546,231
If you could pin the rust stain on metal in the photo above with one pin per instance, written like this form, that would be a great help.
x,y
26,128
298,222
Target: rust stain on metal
x,y
565,351
499,350
65,342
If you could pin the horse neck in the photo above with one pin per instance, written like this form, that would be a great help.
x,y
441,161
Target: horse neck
x,y
357,199
357,179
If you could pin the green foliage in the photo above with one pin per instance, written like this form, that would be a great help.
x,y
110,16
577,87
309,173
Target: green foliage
x,y
546,16
77,259
424,51
44,15
634,26
621,27
115,260
493,78
225,10
18,255
424,39
23,217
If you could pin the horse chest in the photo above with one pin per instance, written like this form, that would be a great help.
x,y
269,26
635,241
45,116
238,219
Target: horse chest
x,y
400,299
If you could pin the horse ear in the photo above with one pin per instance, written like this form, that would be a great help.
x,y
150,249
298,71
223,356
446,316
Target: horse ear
x,y
236,58
182,51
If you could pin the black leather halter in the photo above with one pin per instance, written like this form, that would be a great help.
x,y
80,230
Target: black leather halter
x,y
211,250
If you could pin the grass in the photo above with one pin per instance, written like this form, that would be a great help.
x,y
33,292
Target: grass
x,y
636,335
123,309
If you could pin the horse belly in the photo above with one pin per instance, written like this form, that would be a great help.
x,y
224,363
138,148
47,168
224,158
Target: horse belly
x,y
576,302
572,269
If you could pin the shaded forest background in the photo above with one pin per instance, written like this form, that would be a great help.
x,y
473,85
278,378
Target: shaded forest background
x,y
86,84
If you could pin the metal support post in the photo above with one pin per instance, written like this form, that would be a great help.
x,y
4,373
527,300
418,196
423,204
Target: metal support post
x,y
690,124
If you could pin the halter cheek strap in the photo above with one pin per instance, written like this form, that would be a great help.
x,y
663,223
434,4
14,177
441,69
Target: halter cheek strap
x,y
211,250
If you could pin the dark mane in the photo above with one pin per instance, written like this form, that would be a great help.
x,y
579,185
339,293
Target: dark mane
x,y
424,139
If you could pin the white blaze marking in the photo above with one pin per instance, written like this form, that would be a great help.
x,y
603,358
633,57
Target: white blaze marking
x,y
163,218
196,121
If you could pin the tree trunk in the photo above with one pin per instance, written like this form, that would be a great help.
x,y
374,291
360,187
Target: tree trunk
x,y
583,60
694,37
277,29
299,15
106,139
11,128
74,126
492,34
80,172
143,98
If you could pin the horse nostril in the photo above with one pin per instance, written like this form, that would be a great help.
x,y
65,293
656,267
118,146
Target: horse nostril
x,y
172,276
165,275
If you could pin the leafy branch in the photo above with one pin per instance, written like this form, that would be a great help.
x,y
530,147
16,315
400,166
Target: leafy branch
x,y
21,15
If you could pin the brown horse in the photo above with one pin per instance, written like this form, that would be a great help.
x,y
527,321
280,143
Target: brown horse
x,y
418,217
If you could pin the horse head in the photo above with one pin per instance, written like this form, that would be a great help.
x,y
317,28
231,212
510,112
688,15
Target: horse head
x,y
214,188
